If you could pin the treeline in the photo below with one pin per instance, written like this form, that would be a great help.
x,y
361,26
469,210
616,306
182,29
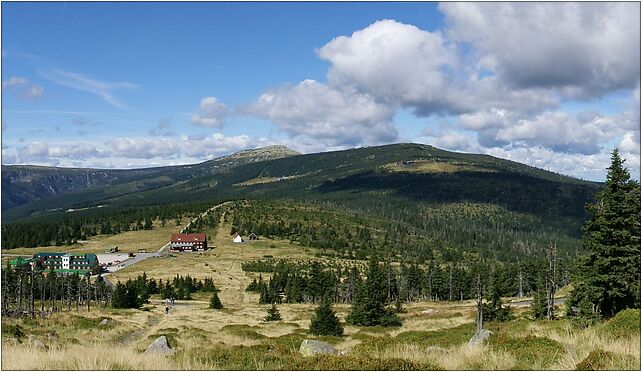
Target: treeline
x,y
295,282
135,292
444,233
211,221
79,225
26,292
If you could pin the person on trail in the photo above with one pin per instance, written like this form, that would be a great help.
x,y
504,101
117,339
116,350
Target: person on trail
x,y
166,310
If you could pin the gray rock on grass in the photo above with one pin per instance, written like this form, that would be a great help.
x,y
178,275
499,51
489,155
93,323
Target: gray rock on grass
x,y
159,346
480,337
105,322
313,347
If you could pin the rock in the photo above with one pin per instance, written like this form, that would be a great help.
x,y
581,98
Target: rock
x,y
429,311
160,346
39,345
312,347
105,322
480,337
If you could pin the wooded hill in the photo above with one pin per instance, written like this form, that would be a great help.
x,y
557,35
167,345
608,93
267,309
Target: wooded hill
x,y
399,173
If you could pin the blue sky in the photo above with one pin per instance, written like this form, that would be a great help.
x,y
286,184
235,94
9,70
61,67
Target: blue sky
x,y
144,84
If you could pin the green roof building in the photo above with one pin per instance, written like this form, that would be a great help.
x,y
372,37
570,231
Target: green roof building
x,y
68,263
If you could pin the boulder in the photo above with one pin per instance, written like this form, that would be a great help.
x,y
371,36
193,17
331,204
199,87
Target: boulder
x,y
105,322
159,346
480,337
313,347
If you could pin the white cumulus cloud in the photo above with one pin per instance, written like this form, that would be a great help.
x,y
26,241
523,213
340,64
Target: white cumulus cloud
x,y
333,117
210,113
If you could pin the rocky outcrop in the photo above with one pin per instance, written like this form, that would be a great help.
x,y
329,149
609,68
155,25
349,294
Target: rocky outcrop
x,y
159,346
480,337
313,347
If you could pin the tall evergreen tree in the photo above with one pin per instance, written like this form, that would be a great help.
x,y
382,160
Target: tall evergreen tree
x,y
609,278
325,322
493,309
369,307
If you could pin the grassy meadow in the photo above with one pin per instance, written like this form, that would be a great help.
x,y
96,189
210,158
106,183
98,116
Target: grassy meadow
x,y
434,335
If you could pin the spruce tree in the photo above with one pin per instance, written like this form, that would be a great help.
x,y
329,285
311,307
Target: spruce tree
x,y
215,302
119,298
538,306
273,314
325,322
493,309
369,306
609,276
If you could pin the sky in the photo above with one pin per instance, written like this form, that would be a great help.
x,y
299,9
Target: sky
x,y
129,85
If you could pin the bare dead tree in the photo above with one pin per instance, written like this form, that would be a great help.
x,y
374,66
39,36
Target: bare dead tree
x,y
550,282
31,296
450,284
19,290
42,294
480,308
520,276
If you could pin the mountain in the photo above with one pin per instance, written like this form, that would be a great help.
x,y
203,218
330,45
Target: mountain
x,y
23,184
405,172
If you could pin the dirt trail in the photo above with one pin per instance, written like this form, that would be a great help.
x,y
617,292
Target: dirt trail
x,y
152,320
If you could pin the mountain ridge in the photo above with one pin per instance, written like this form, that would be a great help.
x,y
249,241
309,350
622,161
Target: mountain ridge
x,y
403,168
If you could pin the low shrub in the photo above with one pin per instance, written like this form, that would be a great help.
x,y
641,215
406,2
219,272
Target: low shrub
x,y
605,360
13,330
530,350
623,324
453,336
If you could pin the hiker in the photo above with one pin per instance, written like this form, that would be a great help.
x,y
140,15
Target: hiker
x,y
166,310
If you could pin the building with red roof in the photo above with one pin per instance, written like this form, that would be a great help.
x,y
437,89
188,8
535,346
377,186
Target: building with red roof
x,y
188,242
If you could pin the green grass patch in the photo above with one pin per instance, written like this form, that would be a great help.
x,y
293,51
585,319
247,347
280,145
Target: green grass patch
x,y
623,324
266,357
374,329
242,330
530,351
443,338
81,322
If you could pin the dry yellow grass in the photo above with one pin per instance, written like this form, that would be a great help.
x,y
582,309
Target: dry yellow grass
x,y
191,324
81,357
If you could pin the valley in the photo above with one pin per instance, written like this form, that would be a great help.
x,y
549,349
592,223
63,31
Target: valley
x,y
432,223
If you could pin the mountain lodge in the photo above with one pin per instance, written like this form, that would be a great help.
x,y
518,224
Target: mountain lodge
x,y
188,242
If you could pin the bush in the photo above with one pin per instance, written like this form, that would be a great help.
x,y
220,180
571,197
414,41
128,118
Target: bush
x,y
13,330
596,360
623,324
325,322
604,360
529,350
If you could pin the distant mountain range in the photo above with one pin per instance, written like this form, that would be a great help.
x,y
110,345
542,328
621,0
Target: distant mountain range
x,y
414,172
